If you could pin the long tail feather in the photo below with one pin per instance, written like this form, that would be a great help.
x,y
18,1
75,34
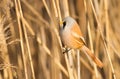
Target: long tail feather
x,y
92,56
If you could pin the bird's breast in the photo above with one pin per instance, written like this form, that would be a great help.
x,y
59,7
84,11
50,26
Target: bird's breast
x,y
69,40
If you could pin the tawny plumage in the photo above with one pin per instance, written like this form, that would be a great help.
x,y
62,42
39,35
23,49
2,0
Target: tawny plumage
x,y
71,36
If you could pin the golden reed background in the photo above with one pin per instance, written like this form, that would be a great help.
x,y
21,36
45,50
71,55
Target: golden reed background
x,y
30,46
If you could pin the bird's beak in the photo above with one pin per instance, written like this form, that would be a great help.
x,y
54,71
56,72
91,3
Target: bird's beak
x,y
61,23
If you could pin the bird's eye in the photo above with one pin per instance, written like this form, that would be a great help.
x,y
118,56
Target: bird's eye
x,y
64,24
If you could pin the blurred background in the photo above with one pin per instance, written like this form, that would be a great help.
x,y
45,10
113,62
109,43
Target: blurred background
x,y
30,46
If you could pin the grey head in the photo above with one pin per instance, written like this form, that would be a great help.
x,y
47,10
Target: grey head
x,y
67,23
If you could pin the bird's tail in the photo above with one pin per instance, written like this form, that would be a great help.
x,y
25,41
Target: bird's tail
x,y
92,56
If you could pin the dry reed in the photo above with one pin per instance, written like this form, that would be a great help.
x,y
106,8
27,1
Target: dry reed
x,y
30,46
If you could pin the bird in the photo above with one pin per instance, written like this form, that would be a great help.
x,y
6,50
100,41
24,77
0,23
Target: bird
x,y
71,36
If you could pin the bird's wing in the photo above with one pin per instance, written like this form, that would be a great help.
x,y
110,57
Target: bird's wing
x,y
76,32
78,37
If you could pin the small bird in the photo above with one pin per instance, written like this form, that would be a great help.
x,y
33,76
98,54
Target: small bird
x,y
71,36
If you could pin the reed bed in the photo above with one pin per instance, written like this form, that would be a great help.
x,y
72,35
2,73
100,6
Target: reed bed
x,y
30,46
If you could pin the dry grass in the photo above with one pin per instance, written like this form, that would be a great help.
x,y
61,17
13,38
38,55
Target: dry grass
x,y
30,46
